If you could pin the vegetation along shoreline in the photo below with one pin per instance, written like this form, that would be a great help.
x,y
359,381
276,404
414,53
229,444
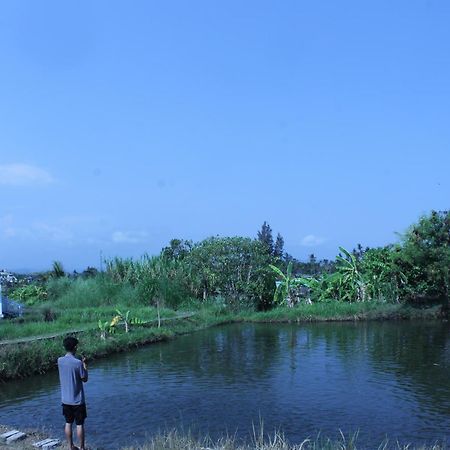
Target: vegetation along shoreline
x,y
221,280
174,440
19,360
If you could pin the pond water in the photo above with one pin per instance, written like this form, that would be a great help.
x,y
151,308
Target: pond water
x,y
389,378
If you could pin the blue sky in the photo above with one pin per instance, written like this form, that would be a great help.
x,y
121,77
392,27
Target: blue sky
x,y
126,124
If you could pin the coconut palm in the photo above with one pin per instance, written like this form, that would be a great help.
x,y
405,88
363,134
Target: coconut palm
x,y
57,269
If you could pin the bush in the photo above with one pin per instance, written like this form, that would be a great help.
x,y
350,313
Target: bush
x,y
94,292
424,258
30,294
57,287
48,314
235,268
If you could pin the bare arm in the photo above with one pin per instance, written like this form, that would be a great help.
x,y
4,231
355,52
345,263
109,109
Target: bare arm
x,y
84,372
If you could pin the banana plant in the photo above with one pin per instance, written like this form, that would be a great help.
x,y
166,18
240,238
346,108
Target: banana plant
x,y
29,294
284,285
103,327
313,284
124,318
137,321
350,281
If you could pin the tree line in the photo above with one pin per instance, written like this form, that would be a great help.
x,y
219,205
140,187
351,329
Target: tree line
x,y
258,273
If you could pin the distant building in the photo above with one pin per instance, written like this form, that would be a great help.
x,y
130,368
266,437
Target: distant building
x,y
7,277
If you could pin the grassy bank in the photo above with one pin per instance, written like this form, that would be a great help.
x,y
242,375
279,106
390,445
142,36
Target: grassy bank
x,y
173,440
36,322
18,360
340,311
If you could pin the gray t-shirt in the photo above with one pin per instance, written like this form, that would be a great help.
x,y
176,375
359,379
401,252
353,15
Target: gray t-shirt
x,y
71,373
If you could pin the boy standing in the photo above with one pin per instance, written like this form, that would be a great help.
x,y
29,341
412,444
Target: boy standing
x,y
72,374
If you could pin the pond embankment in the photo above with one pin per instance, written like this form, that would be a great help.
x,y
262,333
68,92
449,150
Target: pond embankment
x,y
384,378
22,357
174,441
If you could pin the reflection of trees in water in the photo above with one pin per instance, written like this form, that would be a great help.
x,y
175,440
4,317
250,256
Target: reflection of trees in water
x,y
17,390
348,341
236,353
419,352
347,337
416,353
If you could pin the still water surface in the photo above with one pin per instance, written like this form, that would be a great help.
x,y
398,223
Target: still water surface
x,y
380,378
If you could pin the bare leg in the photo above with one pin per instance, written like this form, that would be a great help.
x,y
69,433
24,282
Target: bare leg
x,y
80,435
68,432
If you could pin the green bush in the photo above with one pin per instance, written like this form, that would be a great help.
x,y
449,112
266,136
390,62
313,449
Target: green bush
x,y
235,268
30,294
424,258
95,291
57,287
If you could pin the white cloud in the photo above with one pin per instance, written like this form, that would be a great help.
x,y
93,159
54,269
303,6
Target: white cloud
x,y
23,174
66,231
6,220
129,237
34,231
311,240
7,229
52,232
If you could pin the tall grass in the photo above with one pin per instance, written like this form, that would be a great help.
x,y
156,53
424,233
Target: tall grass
x,y
21,360
173,440
157,280
78,318
74,305
340,311
24,359
97,291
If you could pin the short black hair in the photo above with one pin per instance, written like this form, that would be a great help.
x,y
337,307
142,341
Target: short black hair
x,y
70,343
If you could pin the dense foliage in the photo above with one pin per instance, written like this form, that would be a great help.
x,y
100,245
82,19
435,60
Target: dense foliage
x,y
239,272
424,257
29,294
234,270
415,271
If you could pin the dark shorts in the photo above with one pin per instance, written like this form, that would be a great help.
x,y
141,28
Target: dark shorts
x,y
75,413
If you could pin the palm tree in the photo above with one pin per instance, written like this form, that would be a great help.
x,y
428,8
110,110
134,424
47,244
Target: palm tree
x,y
58,270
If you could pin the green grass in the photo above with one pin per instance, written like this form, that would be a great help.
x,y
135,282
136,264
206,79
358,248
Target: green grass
x,y
71,319
174,440
28,358
88,317
340,311
98,291
80,304
21,360
24,359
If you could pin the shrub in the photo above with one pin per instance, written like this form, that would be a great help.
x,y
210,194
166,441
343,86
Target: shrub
x,y
30,294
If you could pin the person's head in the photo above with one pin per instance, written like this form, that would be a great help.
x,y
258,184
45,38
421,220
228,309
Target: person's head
x,y
70,344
